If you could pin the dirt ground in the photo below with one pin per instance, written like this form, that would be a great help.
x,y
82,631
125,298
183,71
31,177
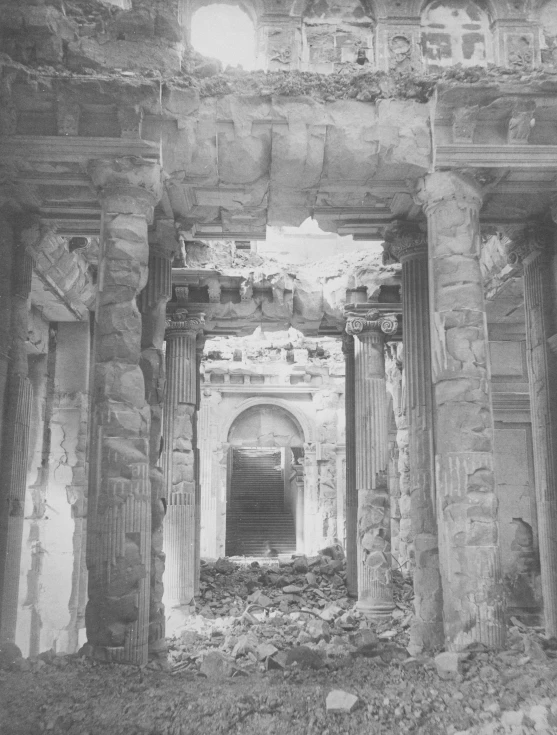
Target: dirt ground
x,y
267,669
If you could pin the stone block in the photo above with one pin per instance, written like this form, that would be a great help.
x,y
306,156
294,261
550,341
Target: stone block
x,y
341,702
448,664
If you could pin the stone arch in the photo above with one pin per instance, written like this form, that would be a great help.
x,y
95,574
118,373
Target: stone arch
x,y
254,9
301,419
456,32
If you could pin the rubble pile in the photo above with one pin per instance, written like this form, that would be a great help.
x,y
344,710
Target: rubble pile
x,y
290,612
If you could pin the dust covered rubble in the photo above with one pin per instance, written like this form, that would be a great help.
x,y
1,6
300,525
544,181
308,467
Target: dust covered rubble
x,y
295,613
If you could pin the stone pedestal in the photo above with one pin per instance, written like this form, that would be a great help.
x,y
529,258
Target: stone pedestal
x,y
408,244
463,416
119,522
533,248
153,300
375,593
15,443
179,462
351,491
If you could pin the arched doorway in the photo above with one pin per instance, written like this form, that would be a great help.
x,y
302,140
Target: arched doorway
x,y
264,492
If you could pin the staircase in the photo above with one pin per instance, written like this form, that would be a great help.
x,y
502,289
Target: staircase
x,y
256,513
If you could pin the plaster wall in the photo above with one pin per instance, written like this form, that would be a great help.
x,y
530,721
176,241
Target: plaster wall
x,y
53,574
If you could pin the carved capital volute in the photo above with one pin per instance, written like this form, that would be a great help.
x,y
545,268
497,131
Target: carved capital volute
x,y
528,241
441,187
179,324
371,323
404,240
128,185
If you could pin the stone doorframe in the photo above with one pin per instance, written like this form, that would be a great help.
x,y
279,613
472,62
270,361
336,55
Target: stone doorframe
x,y
309,435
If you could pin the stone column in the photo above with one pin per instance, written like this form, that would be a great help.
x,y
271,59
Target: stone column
x,y
408,244
200,344
467,514
15,444
153,300
375,592
533,249
119,518
299,480
179,461
311,501
351,491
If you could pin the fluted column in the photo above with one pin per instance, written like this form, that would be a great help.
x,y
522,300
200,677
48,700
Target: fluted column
x,y
467,508
311,500
408,244
15,444
533,248
179,460
200,345
375,592
351,491
119,512
152,302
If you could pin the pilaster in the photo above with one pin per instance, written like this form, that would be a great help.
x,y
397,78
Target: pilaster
x,y
119,523
532,249
467,508
15,443
179,460
351,490
375,593
407,243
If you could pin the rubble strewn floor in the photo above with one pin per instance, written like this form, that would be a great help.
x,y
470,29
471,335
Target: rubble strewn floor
x,y
268,643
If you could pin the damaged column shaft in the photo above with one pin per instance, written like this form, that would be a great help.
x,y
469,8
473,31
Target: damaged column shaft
x,y
179,461
467,508
351,491
15,444
375,591
154,298
533,248
408,244
119,523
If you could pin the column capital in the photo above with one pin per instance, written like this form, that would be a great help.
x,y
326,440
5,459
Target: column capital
x,y
404,240
179,323
528,241
128,185
371,323
441,187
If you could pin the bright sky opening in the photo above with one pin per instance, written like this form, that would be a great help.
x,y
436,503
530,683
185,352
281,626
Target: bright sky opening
x,y
226,33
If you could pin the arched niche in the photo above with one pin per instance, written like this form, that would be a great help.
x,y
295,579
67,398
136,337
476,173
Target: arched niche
x,y
254,9
299,419
456,32
266,425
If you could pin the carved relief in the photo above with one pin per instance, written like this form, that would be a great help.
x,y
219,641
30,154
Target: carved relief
x,y
520,53
400,53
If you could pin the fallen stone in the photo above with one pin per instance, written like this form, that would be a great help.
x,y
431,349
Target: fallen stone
x,y
265,650
215,666
9,654
330,613
448,664
364,637
304,657
292,589
319,630
341,702
300,564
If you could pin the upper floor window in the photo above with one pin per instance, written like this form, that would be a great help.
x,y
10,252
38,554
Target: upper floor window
x,y
456,32
226,33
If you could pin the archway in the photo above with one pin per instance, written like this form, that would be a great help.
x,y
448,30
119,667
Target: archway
x,y
225,32
264,482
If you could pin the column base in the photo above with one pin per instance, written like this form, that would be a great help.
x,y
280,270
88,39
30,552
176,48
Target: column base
x,y
376,610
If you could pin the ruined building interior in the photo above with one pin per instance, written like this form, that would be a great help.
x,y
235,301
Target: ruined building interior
x,y
278,366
